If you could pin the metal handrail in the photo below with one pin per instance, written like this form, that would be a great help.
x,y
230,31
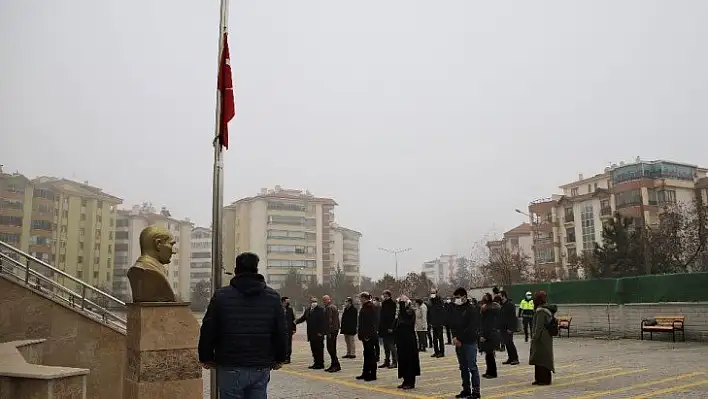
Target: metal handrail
x,y
83,285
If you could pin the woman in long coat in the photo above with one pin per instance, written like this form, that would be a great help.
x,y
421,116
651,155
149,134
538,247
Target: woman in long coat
x,y
408,360
541,355
489,337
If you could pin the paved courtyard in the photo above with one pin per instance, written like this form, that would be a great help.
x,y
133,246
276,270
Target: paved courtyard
x,y
585,368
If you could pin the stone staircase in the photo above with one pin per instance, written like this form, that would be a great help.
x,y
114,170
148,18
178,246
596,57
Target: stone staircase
x,y
23,376
58,333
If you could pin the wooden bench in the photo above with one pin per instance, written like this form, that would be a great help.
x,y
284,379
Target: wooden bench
x,y
669,324
564,324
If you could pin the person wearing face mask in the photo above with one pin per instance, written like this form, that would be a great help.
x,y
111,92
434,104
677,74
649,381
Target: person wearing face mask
x,y
406,348
349,322
526,310
290,325
317,327
367,331
438,318
448,308
387,322
508,323
465,324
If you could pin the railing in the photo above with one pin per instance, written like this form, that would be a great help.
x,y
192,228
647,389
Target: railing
x,y
89,300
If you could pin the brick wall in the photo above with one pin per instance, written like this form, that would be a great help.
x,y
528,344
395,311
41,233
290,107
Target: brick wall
x,y
624,320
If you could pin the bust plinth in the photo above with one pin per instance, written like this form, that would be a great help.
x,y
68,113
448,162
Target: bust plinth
x,y
162,359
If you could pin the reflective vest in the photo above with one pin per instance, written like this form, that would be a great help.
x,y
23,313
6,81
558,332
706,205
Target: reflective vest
x,y
526,305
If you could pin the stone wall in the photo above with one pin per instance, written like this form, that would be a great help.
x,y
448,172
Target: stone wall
x,y
73,340
625,320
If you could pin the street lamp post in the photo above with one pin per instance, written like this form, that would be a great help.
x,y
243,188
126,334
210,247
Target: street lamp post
x,y
395,253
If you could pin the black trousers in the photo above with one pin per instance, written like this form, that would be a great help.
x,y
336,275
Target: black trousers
x,y
438,343
422,340
430,336
491,361
369,366
448,335
390,350
542,375
317,349
289,343
332,349
377,347
526,321
508,341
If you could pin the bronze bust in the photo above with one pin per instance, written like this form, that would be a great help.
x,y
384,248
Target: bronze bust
x,y
148,277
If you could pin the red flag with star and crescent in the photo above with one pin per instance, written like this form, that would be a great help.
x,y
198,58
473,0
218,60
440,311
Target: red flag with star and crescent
x,y
226,88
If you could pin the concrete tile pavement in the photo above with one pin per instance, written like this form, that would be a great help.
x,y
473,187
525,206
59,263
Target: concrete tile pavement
x,y
586,368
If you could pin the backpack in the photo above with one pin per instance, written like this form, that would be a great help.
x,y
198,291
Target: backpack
x,y
552,326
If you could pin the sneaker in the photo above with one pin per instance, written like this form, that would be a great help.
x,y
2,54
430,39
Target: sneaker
x,y
464,395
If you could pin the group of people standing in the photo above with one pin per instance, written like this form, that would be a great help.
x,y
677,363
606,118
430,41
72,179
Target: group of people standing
x,y
404,328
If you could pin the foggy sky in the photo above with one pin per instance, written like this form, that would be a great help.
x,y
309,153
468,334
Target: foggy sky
x,y
427,121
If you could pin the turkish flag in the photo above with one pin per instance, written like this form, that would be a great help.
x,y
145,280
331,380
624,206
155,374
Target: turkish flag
x,y
226,88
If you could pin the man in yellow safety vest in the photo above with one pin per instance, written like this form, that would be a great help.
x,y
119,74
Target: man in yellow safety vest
x,y
526,309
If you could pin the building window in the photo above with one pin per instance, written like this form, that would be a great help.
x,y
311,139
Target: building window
x,y
201,255
573,192
590,188
95,275
42,225
108,276
11,221
121,235
10,238
295,249
83,217
544,255
605,208
587,220
175,273
661,197
79,274
568,214
570,235
122,223
275,263
84,202
80,259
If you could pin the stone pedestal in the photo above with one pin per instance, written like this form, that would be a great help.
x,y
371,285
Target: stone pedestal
x,y
162,359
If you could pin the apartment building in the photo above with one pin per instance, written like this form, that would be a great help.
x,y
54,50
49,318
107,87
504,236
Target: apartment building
x,y
346,252
568,224
286,228
440,270
129,225
517,241
62,222
200,266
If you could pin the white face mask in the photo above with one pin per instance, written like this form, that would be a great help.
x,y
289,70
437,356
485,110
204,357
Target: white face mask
x,y
458,301
433,295
313,305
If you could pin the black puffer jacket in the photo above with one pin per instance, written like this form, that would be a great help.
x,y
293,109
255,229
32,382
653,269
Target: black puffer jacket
x,y
437,312
244,325
465,323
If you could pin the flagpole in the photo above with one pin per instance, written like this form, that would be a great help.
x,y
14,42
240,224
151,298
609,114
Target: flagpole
x,y
218,187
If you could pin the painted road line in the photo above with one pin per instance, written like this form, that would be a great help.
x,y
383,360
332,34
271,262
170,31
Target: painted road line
x,y
486,388
639,386
565,384
363,386
673,389
521,371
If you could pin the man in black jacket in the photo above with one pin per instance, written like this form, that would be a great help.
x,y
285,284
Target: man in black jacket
x,y
437,316
316,330
507,325
465,324
387,323
368,334
289,325
243,332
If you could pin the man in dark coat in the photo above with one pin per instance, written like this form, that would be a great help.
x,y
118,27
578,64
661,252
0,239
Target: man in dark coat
x,y
377,345
289,325
465,324
387,323
437,316
489,339
448,308
243,333
508,324
368,334
349,323
316,330
333,325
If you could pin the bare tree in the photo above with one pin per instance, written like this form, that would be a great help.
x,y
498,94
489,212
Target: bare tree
x,y
506,268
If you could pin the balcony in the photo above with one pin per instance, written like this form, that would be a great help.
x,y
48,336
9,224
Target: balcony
x,y
569,218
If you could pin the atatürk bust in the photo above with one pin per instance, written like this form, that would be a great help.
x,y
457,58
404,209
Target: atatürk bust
x,y
148,277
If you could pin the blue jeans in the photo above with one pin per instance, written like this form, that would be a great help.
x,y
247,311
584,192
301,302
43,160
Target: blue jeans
x,y
243,383
467,358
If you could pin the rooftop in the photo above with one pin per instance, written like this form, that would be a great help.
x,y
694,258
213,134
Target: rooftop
x,y
285,194
520,230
